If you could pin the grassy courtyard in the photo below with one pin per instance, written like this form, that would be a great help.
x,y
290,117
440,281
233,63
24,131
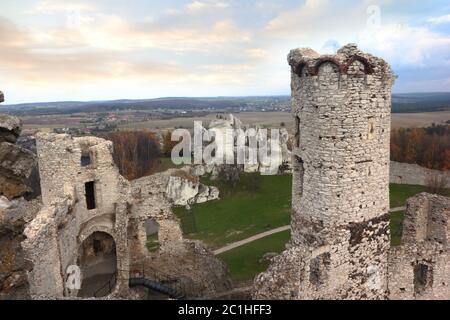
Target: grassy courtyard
x,y
245,262
255,204
396,227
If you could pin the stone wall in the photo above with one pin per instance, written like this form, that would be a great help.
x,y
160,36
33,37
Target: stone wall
x,y
405,173
340,224
420,267
187,265
54,238
83,195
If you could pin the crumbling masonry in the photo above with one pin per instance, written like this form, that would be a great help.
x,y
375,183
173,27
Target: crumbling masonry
x,y
340,244
95,220
420,267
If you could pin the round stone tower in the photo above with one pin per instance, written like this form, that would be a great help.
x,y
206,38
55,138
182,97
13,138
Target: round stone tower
x,y
341,104
342,108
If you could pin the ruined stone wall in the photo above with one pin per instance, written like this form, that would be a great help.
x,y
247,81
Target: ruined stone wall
x,y
55,237
186,265
420,267
150,202
341,105
406,173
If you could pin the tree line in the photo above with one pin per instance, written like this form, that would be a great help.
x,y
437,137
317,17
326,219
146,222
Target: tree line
x,y
427,147
139,153
136,153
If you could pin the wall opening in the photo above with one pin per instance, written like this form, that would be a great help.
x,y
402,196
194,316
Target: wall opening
x,y
423,277
85,160
299,175
98,264
152,231
90,195
318,269
297,132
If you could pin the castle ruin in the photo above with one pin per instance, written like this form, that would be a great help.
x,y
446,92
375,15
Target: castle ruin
x,y
420,267
340,195
90,217
95,222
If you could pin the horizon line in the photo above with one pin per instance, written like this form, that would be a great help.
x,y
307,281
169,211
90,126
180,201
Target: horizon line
x,y
189,97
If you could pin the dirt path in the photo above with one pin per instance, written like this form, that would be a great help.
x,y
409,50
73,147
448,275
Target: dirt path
x,y
251,239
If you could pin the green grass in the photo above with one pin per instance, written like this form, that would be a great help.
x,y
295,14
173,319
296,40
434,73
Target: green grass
x,y
166,163
400,192
396,226
152,242
255,204
244,262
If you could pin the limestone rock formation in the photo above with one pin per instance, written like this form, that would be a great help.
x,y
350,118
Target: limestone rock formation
x,y
185,189
14,215
16,163
10,128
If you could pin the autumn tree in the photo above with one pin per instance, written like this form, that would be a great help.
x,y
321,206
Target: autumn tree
x,y
136,153
168,144
427,147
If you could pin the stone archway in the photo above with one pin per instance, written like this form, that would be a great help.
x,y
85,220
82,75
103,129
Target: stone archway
x,y
98,263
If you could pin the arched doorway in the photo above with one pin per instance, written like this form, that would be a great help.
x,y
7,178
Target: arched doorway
x,y
98,264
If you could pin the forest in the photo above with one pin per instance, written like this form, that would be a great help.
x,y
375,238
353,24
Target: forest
x,y
136,153
427,147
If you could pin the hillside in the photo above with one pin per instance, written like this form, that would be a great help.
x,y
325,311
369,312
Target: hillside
x,y
401,103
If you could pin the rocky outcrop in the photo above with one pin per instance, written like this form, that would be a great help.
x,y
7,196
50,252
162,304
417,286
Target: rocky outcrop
x,y
185,189
10,128
14,215
16,163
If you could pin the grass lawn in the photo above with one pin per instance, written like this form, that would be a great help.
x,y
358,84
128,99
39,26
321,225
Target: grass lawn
x,y
396,227
152,242
258,203
244,262
166,163
399,193
255,204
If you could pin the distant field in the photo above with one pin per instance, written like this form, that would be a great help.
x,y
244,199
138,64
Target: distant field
x,y
274,119
269,119
423,119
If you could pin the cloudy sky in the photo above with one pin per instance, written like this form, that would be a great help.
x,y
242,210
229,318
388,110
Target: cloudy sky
x,y
109,49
